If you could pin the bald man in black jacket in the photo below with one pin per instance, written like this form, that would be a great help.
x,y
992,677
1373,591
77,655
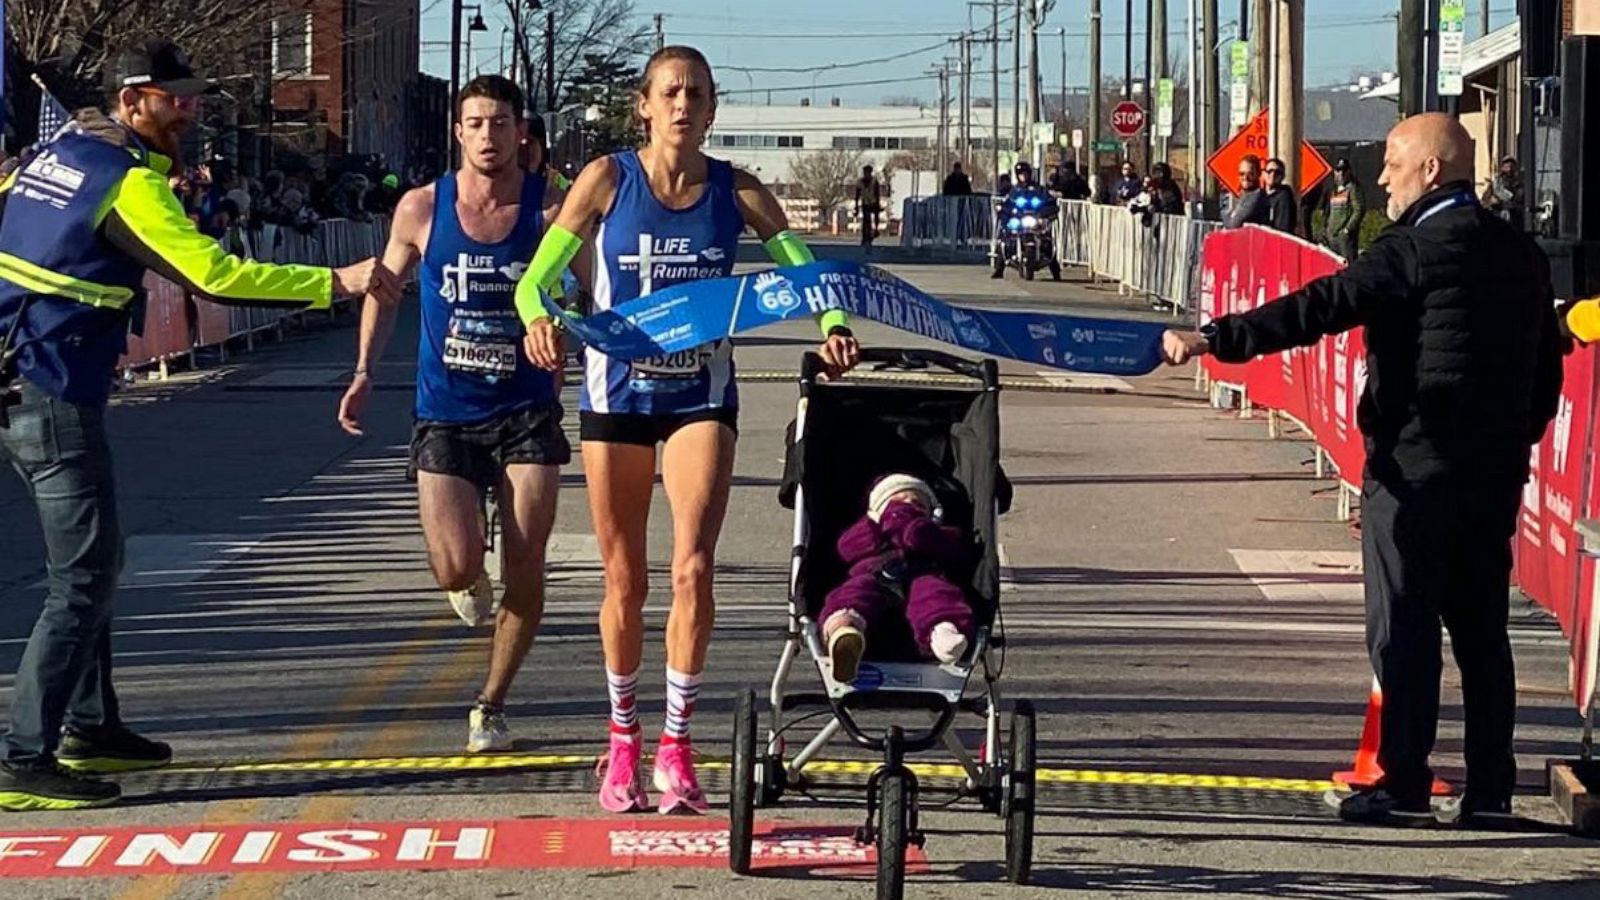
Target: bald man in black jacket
x,y
1464,363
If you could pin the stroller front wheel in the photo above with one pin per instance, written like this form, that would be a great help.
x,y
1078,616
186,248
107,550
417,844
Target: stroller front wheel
x,y
893,825
742,794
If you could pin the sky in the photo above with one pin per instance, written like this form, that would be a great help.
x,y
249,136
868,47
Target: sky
x,y
824,36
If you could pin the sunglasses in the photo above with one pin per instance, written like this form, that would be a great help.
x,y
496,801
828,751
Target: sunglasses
x,y
181,101
1274,171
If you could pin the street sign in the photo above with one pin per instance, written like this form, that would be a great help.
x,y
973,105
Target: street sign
x,y
1239,91
1255,138
1452,40
1127,119
1077,138
1107,146
1044,132
1164,108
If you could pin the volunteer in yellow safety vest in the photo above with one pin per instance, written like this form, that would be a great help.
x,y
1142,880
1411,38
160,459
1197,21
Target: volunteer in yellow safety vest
x,y
83,220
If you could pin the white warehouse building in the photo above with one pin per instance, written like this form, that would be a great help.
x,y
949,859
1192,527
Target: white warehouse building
x,y
765,140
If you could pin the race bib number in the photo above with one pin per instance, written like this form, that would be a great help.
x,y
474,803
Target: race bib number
x,y
480,357
670,371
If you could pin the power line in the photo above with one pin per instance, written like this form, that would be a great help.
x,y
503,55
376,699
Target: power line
x,y
837,84
842,84
847,65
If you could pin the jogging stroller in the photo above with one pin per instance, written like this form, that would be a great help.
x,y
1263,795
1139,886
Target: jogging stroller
x,y
846,434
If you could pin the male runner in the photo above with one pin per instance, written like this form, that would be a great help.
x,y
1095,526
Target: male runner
x,y
486,417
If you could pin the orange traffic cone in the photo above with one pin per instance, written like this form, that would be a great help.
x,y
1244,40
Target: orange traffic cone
x,y
1365,772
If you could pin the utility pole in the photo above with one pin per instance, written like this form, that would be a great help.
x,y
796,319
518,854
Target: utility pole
x,y
1431,98
1094,98
661,35
1274,54
1155,69
1412,58
1035,104
1210,104
455,78
966,99
1194,121
1064,114
550,62
1016,78
944,119
1127,53
1288,106
994,108
1260,56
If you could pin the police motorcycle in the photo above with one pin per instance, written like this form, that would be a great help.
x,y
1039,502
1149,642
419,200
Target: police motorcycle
x,y
1025,229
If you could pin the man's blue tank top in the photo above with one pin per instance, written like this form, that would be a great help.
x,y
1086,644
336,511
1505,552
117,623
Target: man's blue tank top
x,y
470,364
644,247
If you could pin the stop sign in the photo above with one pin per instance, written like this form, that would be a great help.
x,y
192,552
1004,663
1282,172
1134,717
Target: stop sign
x,y
1127,119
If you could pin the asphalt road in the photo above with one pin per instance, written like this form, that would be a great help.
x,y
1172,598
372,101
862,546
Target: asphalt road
x,y
1182,608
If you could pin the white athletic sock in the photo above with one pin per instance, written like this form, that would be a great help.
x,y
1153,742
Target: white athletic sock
x,y
624,708
682,691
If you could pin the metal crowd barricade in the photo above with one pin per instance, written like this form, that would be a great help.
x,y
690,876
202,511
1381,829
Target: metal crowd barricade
x,y
951,223
1072,233
176,325
1158,260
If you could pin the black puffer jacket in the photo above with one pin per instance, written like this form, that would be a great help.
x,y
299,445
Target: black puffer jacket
x,y
1463,355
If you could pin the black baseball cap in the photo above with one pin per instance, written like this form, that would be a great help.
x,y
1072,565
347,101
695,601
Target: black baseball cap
x,y
156,63
535,123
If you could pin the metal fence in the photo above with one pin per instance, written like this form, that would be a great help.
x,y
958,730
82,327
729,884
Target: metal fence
x,y
176,325
1157,256
954,224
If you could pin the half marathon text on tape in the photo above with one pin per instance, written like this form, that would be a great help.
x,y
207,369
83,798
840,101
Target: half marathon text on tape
x,y
696,313
362,846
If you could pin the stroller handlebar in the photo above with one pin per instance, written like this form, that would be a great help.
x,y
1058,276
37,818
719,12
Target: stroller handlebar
x,y
912,358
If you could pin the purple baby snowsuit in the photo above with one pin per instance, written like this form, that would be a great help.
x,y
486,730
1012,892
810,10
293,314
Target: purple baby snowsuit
x,y
907,532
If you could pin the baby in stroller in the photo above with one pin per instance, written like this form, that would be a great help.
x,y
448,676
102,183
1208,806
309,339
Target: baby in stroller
x,y
899,555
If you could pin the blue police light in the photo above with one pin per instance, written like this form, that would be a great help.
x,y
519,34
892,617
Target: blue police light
x,y
1014,224
1035,201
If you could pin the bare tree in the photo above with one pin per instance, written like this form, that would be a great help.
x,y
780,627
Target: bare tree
x,y
67,43
587,33
826,176
923,160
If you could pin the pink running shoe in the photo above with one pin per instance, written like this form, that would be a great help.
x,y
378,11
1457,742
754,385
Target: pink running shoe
x,y
674,778
621,786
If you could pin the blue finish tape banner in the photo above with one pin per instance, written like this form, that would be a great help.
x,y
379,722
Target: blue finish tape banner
x,y
694,313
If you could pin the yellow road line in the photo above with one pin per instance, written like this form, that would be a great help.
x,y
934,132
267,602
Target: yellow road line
x,y
365,692
1044,774
468,660
423,763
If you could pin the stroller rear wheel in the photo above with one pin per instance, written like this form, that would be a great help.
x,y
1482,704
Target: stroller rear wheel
x,y
742,796
1020,793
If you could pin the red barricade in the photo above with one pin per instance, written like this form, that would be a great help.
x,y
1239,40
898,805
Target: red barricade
x,y
168,324
1316,386
1553,499
1321,386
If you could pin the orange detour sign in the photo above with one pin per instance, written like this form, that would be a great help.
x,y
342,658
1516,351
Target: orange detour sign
x,y
1255,138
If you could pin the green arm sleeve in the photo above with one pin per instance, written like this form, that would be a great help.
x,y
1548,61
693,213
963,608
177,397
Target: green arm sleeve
x,y
788,250
555,253
145,220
